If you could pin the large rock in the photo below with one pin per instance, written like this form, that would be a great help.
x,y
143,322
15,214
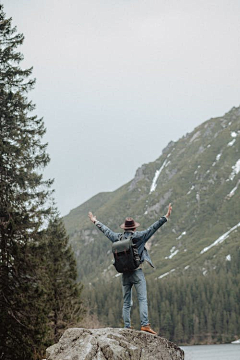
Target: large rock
x,y
112,344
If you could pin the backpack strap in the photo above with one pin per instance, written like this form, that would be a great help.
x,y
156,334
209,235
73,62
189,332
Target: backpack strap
x,y
129,237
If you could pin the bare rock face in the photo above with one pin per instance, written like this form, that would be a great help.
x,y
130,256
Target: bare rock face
x,y
138,176
112,344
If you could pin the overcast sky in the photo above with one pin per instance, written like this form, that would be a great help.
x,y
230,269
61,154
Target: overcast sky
x,y
118,79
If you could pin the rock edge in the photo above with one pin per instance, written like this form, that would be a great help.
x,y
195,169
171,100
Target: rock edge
x,y
112,344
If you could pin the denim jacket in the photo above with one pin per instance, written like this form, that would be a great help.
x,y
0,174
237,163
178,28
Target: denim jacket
x,y
140,237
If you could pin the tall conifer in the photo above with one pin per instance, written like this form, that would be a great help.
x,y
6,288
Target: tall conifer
x,y
65,306
23,196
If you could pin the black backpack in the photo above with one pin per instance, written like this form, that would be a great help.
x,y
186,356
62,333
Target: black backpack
x,y
126,255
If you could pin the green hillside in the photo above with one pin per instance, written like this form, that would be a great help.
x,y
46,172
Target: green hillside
x,y
200,175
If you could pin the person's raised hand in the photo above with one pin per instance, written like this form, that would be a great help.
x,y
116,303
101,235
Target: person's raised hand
x,y
92,217
169,211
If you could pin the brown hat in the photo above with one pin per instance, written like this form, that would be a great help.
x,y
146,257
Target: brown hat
x,y
129,224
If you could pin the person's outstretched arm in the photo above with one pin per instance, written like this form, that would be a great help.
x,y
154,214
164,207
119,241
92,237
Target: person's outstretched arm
x,y
146,234
103,228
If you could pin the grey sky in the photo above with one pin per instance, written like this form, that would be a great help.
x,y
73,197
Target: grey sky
x,y
117,80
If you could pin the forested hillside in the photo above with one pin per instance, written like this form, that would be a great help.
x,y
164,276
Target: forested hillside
x,y
189,309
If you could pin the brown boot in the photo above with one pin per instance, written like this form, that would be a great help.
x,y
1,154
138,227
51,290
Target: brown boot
x,y
147,328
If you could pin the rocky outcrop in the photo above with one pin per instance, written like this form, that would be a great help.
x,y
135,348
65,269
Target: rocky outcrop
x,y
112,344
168,147
138,176
157,207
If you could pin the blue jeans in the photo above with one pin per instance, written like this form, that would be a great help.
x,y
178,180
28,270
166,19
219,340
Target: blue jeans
x,y
137,279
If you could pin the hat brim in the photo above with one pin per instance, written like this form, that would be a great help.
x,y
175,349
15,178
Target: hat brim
x,y
129,227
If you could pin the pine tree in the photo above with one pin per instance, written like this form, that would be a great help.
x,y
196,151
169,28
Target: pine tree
x,y
23,196
167,325
64,301
178,331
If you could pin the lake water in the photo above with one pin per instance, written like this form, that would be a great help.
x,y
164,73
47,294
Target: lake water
x,y
212,352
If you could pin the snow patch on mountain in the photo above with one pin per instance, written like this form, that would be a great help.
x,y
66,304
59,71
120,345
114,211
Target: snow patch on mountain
x,y
228,257
236,170
231,142
156,176
173,252
198,197
217,159
167,273
232,192
204,271
182,234
220,239
190,190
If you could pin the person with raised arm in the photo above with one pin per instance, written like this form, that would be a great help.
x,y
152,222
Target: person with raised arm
x,y
135,277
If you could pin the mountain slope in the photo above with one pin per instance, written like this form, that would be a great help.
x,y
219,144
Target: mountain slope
x,y
200,175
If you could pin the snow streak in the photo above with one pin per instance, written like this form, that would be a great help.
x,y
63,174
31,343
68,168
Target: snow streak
x,y
228,258
167,273
231,142
173,252
236,170
156,176
179,237
232,192
220,239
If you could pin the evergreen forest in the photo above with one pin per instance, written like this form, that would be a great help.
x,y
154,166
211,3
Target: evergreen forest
x,y
39,295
